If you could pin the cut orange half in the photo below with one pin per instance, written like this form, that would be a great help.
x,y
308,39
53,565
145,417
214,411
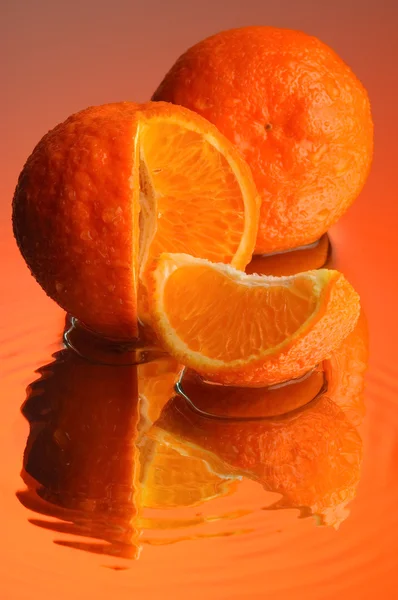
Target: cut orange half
x,y
248,329
106,191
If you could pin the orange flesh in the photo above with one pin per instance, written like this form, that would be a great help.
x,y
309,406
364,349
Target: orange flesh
x,y
230,320
188,184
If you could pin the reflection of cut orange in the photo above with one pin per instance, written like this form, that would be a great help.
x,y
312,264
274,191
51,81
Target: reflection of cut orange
x,y
107,190
171,474
248,329
178,475
156,383
311,456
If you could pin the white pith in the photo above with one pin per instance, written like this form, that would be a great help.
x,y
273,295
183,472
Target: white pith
x,y
148,198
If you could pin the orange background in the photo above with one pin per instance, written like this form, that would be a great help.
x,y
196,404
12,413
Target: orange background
x,y
59,57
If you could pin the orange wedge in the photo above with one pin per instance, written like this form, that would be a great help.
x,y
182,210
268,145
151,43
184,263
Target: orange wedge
x,y
106,191
248,329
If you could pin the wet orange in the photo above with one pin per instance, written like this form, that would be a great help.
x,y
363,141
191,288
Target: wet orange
x,y
297,113
277,328
104,192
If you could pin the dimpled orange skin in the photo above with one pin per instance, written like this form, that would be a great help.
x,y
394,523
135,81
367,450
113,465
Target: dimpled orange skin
x,y
299,116
74,220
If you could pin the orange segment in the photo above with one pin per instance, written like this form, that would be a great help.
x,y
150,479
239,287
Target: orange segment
x,y
196,189
249,329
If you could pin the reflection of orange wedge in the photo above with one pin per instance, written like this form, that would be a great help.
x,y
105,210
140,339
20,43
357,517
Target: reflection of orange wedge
x,y
345,372
311,456
180,475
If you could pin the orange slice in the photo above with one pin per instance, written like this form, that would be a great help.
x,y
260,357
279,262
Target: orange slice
x,y
249,329
106,191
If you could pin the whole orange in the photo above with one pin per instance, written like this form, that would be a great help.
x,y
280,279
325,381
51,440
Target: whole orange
x,y
299,116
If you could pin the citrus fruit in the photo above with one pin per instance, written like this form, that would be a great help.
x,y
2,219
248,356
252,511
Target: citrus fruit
x,y
297,113
248,329
311,456
104,192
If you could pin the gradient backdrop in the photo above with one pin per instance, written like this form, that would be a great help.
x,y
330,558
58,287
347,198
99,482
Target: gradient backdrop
x,y
58,57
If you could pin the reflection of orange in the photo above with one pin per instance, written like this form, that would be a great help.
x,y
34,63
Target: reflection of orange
x,y
277,328
311,456
171,475
88,462
110,188
81,455
345,371
297,113
156,382
177,475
